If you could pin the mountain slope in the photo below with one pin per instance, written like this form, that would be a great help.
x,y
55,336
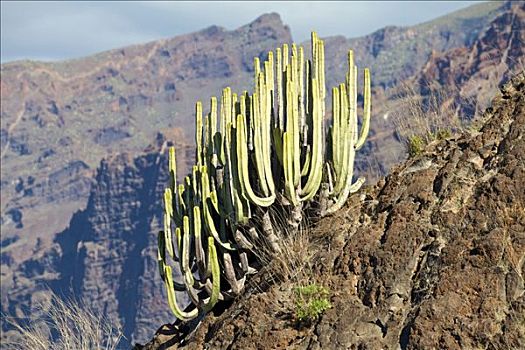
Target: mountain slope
x,y
433,256
471,74
60,119
455,83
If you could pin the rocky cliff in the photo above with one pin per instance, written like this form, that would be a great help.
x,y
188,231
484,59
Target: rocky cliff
x,y
107,255
432,256
470,74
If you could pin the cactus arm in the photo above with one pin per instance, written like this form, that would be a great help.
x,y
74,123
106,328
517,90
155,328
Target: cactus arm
x,y
315,175
198,132
242,158
280,104
336,130
199,250
258,150
234,204
185,264
213,262
172,299
161,253
307,159
265,129
176,200
181,195
167,221
161,260
366,115
341,177
296,132
344,196
208,219
289,189
277,135
302,114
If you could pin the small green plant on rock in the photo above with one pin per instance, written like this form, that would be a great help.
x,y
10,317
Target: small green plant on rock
x,y
310,302
415,144
442,134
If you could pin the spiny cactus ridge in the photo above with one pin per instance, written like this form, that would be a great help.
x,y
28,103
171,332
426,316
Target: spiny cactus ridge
x,y
256,152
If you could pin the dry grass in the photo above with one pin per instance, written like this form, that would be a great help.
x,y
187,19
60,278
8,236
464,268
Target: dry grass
x,y
291,261
66,325
424,119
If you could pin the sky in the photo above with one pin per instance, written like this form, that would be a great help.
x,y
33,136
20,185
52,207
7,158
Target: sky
x,y
52,31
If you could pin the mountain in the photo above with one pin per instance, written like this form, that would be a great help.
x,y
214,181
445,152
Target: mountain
x,y
59,120
430,257
81,139
472,73
107,255
452,80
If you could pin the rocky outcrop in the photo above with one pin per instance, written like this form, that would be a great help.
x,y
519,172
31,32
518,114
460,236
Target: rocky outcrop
x,y
107,251
433,256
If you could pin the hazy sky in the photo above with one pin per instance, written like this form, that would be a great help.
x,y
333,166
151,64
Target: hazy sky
x,y
61,30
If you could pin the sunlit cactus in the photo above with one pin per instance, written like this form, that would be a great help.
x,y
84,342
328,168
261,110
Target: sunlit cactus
x,y
256,152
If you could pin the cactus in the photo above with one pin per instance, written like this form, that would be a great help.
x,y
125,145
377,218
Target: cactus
x,y
254,152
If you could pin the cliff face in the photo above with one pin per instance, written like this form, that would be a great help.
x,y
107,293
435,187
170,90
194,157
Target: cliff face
x,y
108,252
472,73
433,256
107,256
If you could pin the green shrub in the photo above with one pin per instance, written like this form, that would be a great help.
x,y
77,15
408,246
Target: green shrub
x,y
415,144
310,302
442,134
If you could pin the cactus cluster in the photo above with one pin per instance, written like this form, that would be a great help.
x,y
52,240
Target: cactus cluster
x,y
254,152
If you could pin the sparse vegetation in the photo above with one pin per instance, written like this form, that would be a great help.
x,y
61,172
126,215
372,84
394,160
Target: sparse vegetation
x,y
415,144
65,325
421,120
310,302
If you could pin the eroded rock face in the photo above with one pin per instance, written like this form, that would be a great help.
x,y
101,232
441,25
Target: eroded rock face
x,y
107,257
433,256
471,74
108,253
